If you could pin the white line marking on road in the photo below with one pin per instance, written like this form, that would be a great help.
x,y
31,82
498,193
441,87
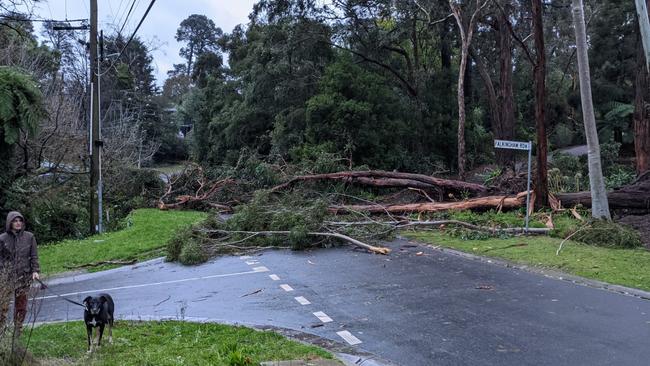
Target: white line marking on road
x,y
253,262
348,337
260,269
151,284
302,300
323,317
286,287
274,277
245,257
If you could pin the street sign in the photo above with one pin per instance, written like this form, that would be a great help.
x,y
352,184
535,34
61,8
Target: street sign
x,y
514,145
519,145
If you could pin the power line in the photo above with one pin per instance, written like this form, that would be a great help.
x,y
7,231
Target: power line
x,y
138,27
120,13
127,17
15,19
130,38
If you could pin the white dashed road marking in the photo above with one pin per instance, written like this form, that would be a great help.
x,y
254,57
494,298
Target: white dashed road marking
x,y
260,269
245,257
156,283
253,262
286,287
348,337
274,277
302,300
323,317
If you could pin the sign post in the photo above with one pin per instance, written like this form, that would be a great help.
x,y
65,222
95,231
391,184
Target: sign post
x,y
519,145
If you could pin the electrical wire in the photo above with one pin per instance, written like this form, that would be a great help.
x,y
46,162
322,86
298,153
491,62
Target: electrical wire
x,y
130,38
127,17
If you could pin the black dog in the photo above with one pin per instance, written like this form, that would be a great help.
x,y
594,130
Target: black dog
x,y
99,312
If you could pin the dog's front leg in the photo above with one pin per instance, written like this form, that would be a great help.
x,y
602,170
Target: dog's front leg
x,y
89,333
100,335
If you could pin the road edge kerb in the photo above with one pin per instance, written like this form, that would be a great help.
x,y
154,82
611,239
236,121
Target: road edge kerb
x,y
347,355
549,273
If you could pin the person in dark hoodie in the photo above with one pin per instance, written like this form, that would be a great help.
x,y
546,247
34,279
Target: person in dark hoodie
x,y
19,263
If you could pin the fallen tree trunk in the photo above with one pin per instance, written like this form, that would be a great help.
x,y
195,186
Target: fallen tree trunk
x,y
374,249
483,203
633,196
616,199
385,179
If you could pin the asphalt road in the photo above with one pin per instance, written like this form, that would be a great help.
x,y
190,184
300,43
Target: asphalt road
x,y
430,309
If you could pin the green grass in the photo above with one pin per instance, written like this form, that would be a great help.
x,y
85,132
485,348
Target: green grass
x,y
145,237
167,343
627,267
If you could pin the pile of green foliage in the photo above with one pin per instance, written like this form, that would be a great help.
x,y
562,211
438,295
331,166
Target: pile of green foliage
x,y
265,212
608,234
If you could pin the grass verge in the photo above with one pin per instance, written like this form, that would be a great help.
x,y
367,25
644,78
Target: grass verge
x,y
145,237
627,267
167,343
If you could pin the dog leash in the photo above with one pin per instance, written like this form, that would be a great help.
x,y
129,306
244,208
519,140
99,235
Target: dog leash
x,y
46,287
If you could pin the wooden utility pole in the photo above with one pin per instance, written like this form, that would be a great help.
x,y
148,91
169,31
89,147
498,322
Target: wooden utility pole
x,y
94,141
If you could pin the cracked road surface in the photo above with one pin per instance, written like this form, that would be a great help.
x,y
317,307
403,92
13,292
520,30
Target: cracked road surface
x,y
430,309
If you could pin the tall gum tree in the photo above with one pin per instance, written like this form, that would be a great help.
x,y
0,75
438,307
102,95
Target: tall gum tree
x,y
599,204
642,95
466,34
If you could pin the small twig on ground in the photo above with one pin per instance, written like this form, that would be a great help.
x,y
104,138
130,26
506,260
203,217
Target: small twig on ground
x,y
253,293
167,299
97,264
423,193
557,252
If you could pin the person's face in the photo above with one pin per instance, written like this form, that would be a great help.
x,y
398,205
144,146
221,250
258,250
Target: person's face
x,y
17,224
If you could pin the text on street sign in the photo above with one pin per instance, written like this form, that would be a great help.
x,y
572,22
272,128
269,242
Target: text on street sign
x,y
515,145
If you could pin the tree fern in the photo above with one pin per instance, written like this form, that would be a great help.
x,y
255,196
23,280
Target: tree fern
x,y
21,107
618,110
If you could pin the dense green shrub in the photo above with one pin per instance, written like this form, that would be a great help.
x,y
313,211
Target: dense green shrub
x,y
56,206
126,189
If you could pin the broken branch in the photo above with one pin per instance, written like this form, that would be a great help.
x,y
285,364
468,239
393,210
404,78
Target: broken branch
x,y
374,249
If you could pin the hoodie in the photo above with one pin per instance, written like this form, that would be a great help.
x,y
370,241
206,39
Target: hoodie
x,y
18,250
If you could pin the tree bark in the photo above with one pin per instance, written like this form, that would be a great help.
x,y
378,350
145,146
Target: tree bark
x,y
461,112
483,203
642,9
599,205
466,36
493,102
506,128
541,181
642,113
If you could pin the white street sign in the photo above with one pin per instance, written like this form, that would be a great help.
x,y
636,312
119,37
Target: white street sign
x,y
520,145
514,145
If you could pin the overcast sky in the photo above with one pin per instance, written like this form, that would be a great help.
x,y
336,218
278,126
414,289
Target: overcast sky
x,y
160,25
